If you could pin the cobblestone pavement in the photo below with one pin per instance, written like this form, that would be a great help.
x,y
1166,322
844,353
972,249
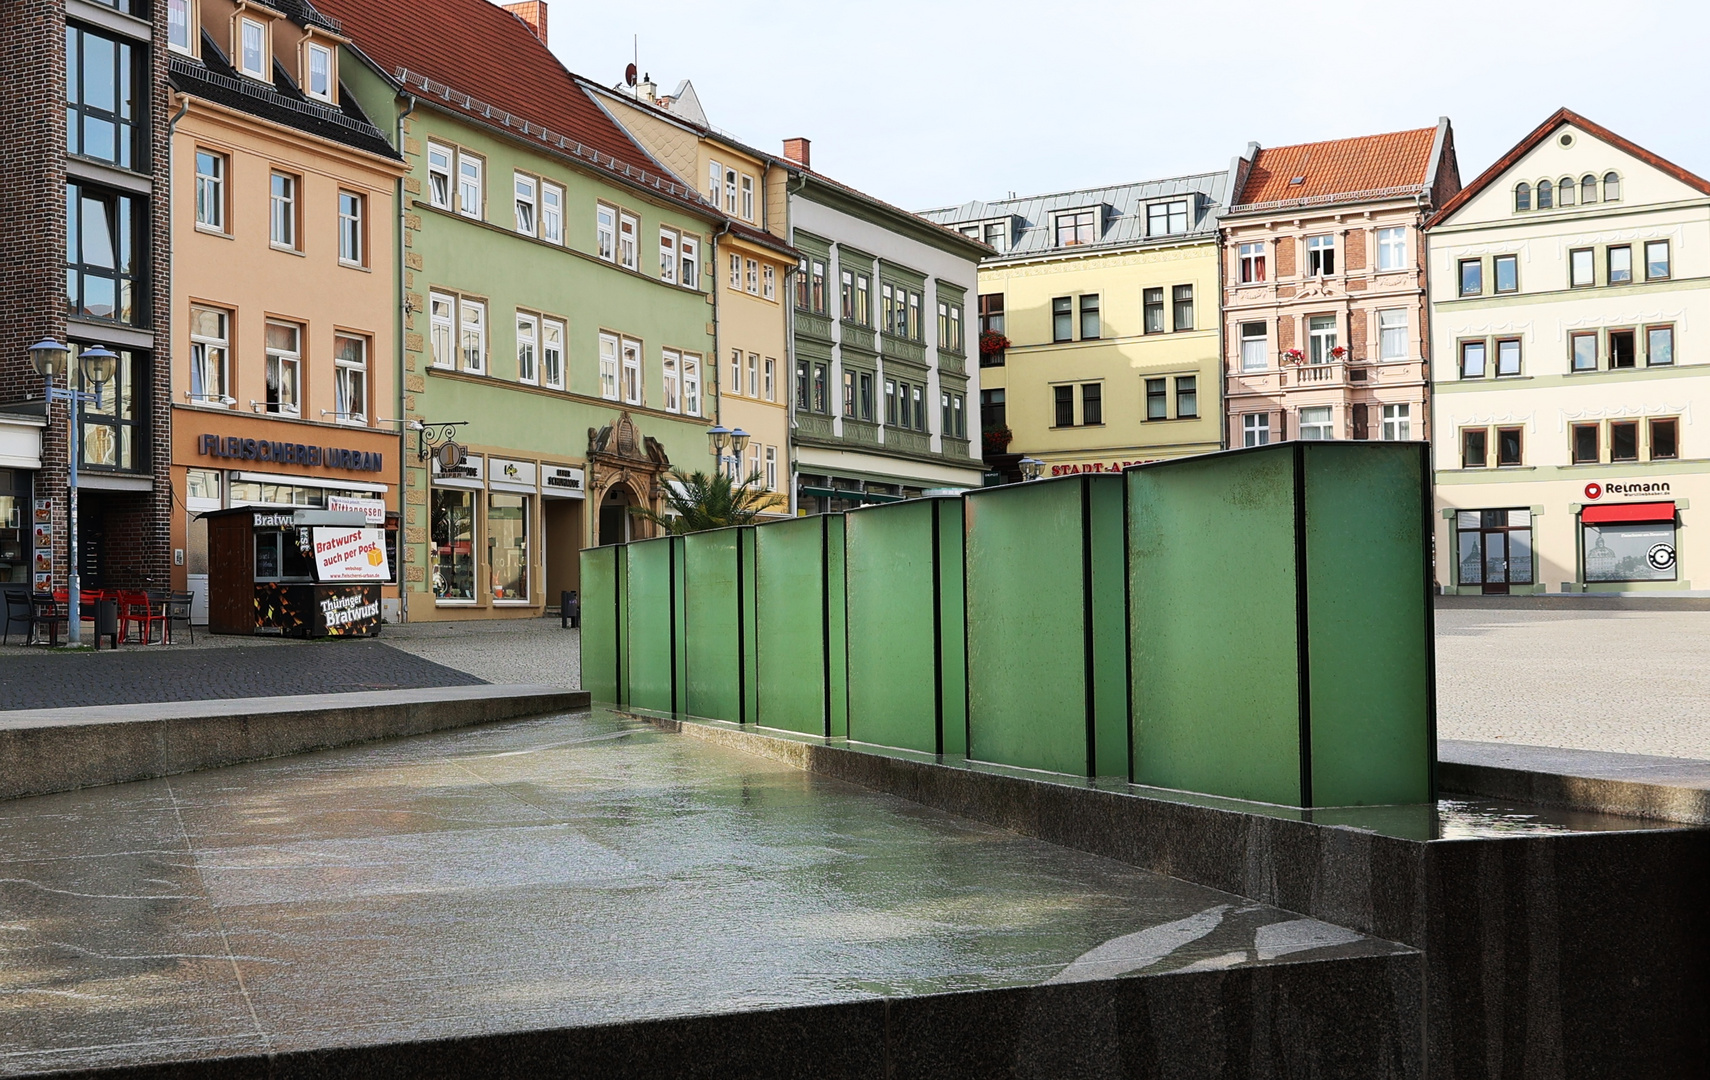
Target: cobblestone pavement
x,y
44,679
534,651
1586,678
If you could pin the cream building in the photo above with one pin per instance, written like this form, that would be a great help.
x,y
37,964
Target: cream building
x,y
1570,318
749,262
1107,298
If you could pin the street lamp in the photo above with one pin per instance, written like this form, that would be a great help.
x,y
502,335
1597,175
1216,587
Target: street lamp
x,y
1031,468
719,437
97,365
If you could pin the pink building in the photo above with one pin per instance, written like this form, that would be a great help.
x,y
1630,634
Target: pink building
x,y
1324,302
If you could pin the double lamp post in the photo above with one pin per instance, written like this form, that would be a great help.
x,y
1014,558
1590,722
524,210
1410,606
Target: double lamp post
x,y
97,365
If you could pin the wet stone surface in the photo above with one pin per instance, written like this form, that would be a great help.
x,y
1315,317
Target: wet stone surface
x,y
548,873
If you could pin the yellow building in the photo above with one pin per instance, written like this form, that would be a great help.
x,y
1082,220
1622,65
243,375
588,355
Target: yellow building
x,y
750,262
1098,322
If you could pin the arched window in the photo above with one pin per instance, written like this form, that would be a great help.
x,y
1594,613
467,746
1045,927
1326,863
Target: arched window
x,y
1611,187
1564,191
1523,197
1546,195
1587,189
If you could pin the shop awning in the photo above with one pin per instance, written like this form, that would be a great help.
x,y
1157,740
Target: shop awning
x,y
1628,512
851,496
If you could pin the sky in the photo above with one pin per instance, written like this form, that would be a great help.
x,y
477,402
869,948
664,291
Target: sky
x,y
928,103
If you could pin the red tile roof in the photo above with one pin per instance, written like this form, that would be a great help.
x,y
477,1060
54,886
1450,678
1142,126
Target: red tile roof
x,y
1364,165
1545,130
480,50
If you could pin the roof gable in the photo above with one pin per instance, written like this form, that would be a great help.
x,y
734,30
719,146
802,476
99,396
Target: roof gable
x,y
1540,155
1369,166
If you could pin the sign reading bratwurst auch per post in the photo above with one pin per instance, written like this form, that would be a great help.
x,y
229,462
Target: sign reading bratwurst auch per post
x,y
343,554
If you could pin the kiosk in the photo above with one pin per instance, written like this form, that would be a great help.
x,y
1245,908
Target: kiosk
x,y
300,573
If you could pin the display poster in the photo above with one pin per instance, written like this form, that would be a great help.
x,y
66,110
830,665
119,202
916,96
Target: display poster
x,y
44,582
343,554
44,512
372,510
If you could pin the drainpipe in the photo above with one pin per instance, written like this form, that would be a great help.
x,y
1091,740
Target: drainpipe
x,y
718,346
166,347
399,328
790,347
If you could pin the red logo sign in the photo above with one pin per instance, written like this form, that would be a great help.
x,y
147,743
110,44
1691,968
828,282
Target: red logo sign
x,y
1594,492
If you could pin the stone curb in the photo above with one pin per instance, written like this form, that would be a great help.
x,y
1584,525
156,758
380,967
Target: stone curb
x,y
1632,785
48,750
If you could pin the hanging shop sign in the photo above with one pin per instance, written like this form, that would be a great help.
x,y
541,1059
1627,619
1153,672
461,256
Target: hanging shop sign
x,y
343,554
471,472
289,453
506,475
562,481
372,510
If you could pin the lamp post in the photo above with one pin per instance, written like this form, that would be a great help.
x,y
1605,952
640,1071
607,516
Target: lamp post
x,y
719,437
97,365
1031,468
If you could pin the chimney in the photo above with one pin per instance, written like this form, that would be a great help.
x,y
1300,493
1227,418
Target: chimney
x,y
532,12
797,151
647,90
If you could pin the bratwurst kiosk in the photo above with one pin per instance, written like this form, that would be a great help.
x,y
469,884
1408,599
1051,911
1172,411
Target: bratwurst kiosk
x,y
300,573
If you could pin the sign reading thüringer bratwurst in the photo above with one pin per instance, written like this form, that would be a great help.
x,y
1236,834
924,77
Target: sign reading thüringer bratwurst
x,y
350,555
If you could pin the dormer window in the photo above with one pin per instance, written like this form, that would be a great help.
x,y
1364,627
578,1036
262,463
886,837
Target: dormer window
x,y
1167,218
1075,227
178,23
319,65
252,48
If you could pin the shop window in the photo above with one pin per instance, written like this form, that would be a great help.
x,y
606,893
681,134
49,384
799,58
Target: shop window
x,y
1317,423
453,538
112,437
1493,548
1665,439
507,546
1475,452
350,379
284,368
1586,450
278,557
1624,440
1621,350
1508,446
1629,551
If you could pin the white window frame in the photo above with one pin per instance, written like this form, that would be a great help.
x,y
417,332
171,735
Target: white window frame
x,y
282,211
310,52
442,330
634,390
528,348
735,384
629,241
668,242
769,282
552,335
1262,354
472,336
210,357
751,276
471,181
691,384
1172,208
670,363
1393,333
1392,248
1325,243
689,247
347,373
441,160
735,272
715,182
179,18
551,212
352,251
526,191
771,378
211,190
771,468
754,375
1321,340
609,366
278,360
729,190
1256,429
747,197
605,231
1397,423
1325,428
1251,257
263,53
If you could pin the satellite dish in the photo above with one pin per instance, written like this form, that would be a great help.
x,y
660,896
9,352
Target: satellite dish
x,y
629,75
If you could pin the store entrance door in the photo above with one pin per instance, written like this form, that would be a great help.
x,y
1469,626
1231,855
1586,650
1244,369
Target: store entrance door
x,y
563,522
615,516
1495,563
1494,549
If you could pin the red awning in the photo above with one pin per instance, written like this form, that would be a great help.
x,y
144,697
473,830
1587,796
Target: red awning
x,y
1633,512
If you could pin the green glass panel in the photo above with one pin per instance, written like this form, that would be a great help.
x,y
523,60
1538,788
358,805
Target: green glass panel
x,y
953,630
892,652
1026,618
790,618
1368,623
712,643
600,622
649,608
836,640
746,546
1110,641
1212,603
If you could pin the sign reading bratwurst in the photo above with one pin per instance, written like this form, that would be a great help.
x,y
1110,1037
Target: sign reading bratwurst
x,y
344,554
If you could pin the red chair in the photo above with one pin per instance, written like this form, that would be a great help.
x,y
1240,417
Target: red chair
x,y
135,610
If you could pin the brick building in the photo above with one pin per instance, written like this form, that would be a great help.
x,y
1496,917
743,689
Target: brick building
x,y
84,116
1324,304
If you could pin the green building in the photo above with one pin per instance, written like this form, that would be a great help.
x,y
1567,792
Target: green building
x,y
555,306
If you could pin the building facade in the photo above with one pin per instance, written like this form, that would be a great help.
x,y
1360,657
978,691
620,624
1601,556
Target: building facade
x,y
1103,303
1324,305
542,335
749,264
1570,295
84,116
881,383
284,391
